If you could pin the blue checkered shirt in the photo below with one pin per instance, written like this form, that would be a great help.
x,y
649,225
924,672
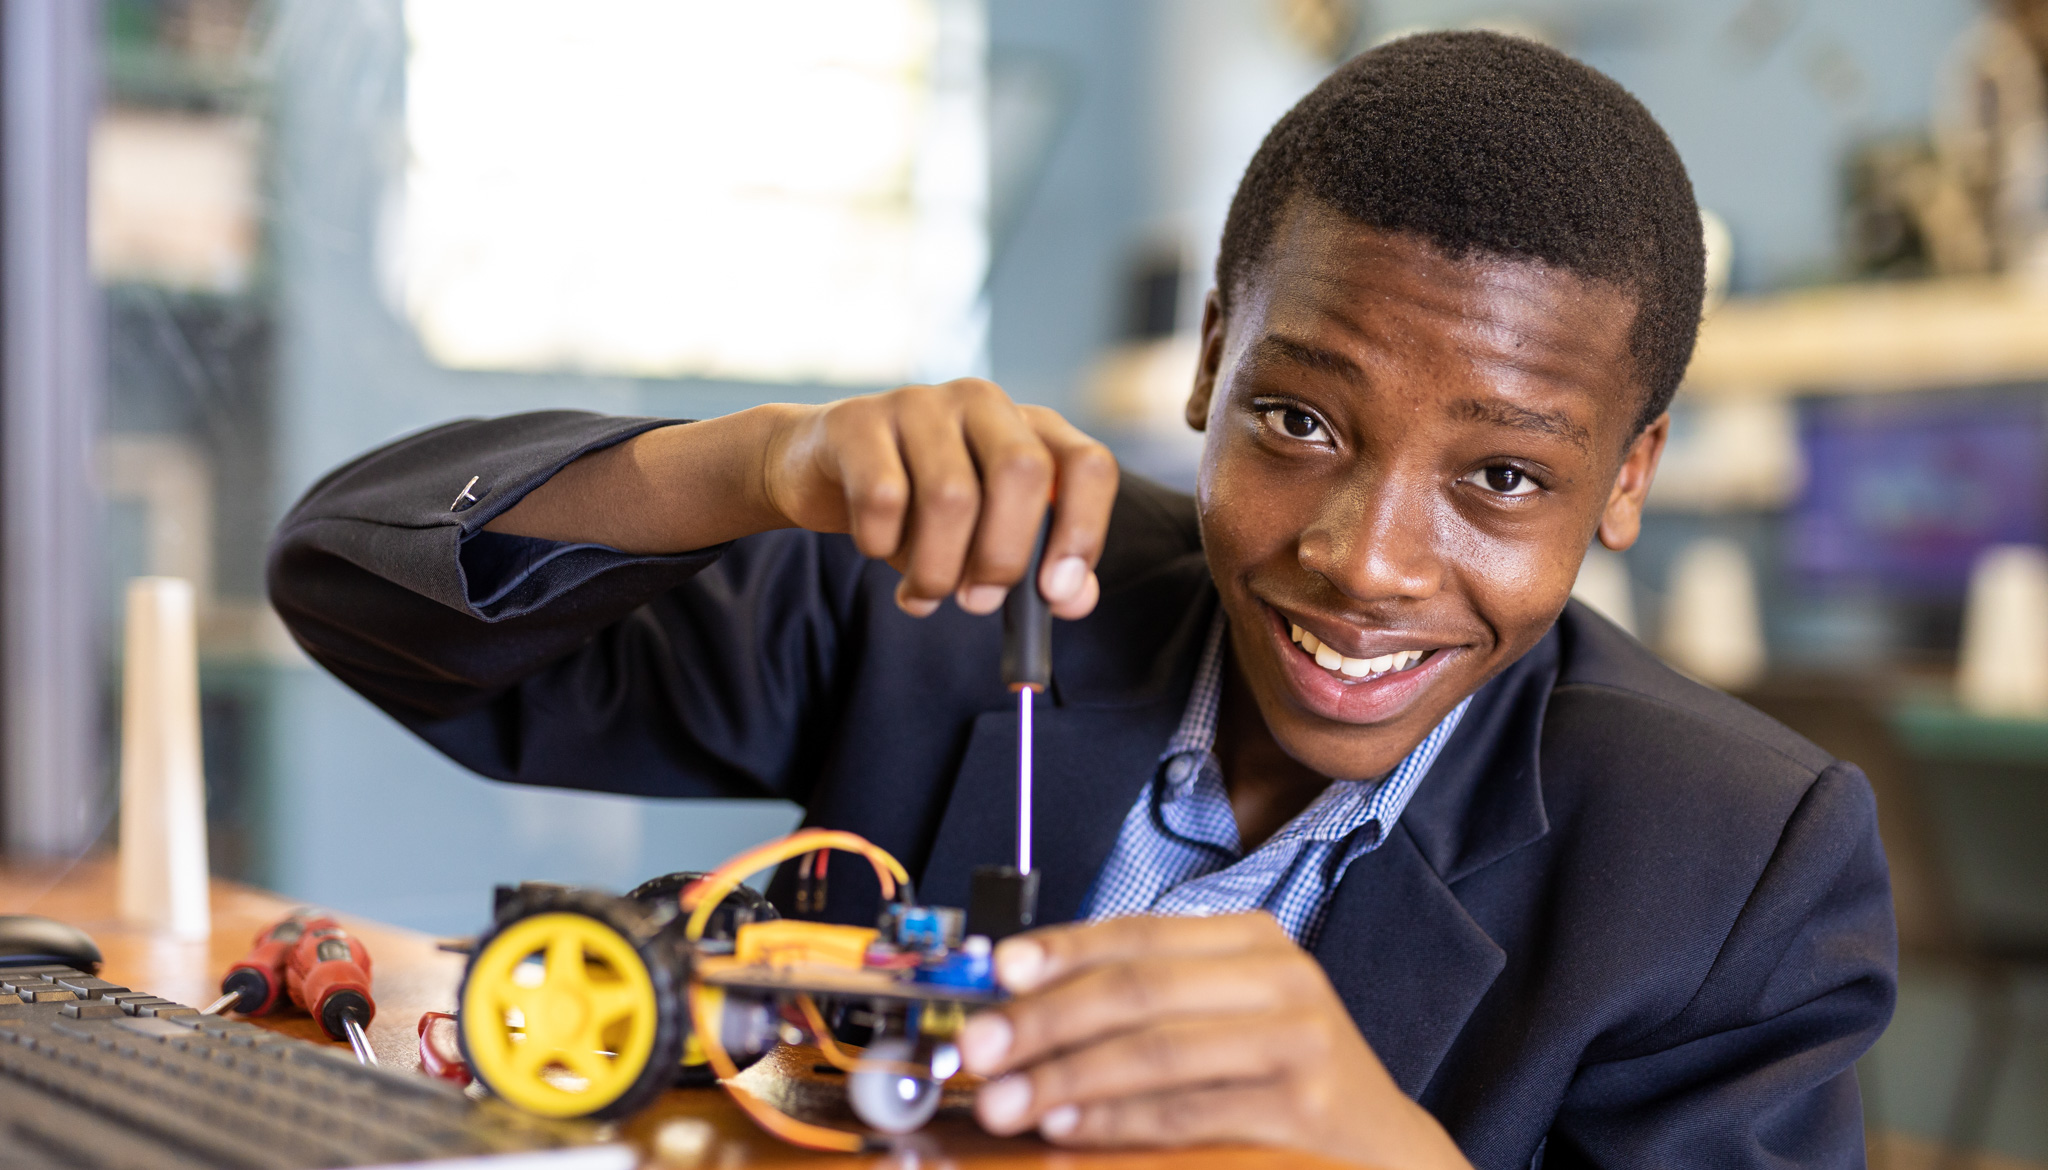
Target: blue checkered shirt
x,y
1178,852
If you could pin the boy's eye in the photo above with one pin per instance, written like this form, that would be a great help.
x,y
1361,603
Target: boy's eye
x,y
1503,481
1293,422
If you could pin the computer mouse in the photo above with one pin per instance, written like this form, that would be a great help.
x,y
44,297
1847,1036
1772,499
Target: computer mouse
x,y
29,939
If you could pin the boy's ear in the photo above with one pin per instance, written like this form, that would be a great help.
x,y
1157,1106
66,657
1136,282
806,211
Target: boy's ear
x,y
1197,412
1622,520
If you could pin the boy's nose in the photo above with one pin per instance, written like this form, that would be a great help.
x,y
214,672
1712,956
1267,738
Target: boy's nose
x,y
1376,541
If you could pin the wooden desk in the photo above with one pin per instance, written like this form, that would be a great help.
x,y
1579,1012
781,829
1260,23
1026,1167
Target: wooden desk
x,y
412,976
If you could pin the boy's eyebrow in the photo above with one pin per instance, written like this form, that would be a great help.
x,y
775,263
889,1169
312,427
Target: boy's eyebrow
x,y
1503,414
1275,347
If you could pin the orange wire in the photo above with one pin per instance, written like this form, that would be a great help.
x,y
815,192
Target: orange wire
x,y
827,1043
701,897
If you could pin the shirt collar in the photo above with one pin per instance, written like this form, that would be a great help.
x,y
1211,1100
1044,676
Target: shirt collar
x,y
1196,735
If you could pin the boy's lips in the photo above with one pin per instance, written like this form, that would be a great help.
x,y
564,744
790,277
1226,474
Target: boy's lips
x,y
1364,678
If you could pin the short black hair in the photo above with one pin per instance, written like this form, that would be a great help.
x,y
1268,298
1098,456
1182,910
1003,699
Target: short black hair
x,y
1483,143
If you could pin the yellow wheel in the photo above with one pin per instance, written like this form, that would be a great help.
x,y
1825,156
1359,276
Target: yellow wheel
x,y
570,1010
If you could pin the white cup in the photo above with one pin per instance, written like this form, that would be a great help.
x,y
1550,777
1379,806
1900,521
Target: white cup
x,y
2003,667
163,868
1713,627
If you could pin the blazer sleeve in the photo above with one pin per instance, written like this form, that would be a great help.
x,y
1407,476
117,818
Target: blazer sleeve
x,y
570,665
1759,1069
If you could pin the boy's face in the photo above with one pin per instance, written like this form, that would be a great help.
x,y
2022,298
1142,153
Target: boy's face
x,y
1405,453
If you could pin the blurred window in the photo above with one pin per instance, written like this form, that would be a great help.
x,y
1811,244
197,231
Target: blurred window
x,y
775,190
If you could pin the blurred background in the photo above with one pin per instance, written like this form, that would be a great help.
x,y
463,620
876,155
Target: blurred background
x,y
245,240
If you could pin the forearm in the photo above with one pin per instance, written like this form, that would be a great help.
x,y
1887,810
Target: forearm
x,y
669,490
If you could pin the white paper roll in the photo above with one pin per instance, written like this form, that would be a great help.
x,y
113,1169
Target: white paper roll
x,y
163,784
2003,669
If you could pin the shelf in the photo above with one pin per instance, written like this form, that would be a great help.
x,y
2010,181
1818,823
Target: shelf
x,y
1934,731
1894,336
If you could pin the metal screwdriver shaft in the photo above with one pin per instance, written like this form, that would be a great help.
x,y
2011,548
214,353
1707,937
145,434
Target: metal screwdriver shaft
x,y
1024,779
359,1040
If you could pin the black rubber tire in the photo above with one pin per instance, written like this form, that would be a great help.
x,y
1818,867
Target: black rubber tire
x,y
666,971
658,895
744,903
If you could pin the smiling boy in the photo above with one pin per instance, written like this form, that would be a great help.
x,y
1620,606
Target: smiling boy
x,y
1361,839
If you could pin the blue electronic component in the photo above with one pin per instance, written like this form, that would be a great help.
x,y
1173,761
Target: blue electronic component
x,y
972,966
919,928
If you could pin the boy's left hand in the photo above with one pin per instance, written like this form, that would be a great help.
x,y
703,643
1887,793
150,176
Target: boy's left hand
x,y
1186,1031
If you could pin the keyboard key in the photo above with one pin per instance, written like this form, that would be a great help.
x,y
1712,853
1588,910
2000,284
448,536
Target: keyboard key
x,y
45,970
87,986
154,1028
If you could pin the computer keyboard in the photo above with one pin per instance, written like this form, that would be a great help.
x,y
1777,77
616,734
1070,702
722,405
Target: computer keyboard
x,y
94,1076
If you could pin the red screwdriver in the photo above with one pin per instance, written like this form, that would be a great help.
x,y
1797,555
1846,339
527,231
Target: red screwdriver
x,y
256,985
328,974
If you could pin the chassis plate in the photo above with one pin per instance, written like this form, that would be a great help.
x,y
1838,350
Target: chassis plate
x,y
866,984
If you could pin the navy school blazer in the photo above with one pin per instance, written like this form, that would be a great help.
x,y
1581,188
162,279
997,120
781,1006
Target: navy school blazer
x,y
1626,921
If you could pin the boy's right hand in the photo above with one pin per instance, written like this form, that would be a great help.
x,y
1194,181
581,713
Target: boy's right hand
x,y
947,483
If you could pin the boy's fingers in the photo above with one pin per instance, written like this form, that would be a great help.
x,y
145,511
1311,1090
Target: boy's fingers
x,y
1029,961
1176,1055
945,497
1016,479
1263,1112
876,486
1087,479
1099,1003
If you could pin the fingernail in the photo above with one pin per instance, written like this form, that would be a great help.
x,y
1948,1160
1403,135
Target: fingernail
x,y
985,1042
917,606
1004,1103
1060,1122
914,606
1019,963
981,598
1065,578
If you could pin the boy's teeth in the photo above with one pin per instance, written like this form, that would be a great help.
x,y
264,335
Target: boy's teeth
x,y
1329,659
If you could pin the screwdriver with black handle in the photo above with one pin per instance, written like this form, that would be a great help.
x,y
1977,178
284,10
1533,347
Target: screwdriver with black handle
x,y
255,986
328,974
1002,900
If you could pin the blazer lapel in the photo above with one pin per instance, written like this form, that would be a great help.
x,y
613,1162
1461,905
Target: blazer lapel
x,y
1406,959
